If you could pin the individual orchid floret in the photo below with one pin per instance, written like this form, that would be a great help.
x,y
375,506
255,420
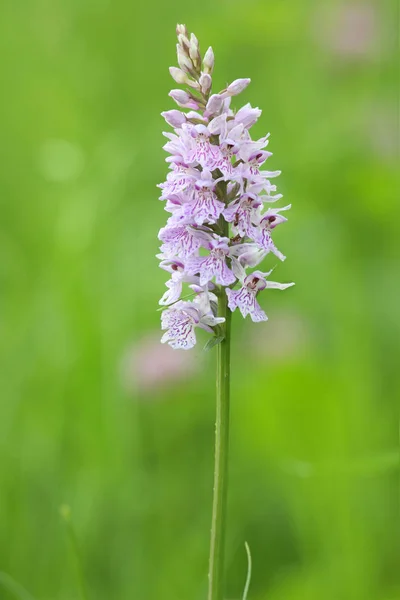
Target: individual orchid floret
x,y
266,223
178,277
260,183
245,298
250,153
242,212
214,265
181,319
205,207
180,322
179,179
247,254
180,240
230,140
202,151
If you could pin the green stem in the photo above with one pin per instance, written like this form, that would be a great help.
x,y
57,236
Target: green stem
x,y
216,566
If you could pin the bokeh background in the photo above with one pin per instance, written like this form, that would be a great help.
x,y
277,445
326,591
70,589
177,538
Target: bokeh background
x,y
95,413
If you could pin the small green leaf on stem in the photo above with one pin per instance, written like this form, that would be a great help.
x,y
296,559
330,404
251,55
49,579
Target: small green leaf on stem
x,y
214,341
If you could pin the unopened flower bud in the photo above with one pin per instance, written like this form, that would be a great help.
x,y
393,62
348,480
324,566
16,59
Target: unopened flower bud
x,y
179,96
237,86
208,61
183,60
195,116
183,99
194,41
181,30
178,75
194,50
194,84
215,125
205,82
247,115
184,42
214,104
175,118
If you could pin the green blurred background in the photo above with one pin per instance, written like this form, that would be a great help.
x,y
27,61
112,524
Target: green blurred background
x,y
94,412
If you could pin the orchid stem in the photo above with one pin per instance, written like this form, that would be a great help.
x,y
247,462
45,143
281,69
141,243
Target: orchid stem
x,y
218,524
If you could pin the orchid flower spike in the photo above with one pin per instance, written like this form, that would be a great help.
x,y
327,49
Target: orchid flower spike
x,y
217,193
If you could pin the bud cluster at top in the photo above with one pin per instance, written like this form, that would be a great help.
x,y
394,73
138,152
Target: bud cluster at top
x,y
218,197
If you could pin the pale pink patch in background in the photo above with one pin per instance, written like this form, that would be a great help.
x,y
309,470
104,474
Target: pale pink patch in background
x,y
350,30
282,338
149,366
382,126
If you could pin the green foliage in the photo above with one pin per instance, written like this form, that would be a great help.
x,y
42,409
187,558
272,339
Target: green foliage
x,y
13,587
83,421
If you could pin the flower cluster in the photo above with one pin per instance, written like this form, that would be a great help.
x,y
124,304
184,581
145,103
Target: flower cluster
x,y
217,194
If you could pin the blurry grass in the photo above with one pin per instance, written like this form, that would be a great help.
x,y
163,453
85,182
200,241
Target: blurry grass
x,y
65,512
14,588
